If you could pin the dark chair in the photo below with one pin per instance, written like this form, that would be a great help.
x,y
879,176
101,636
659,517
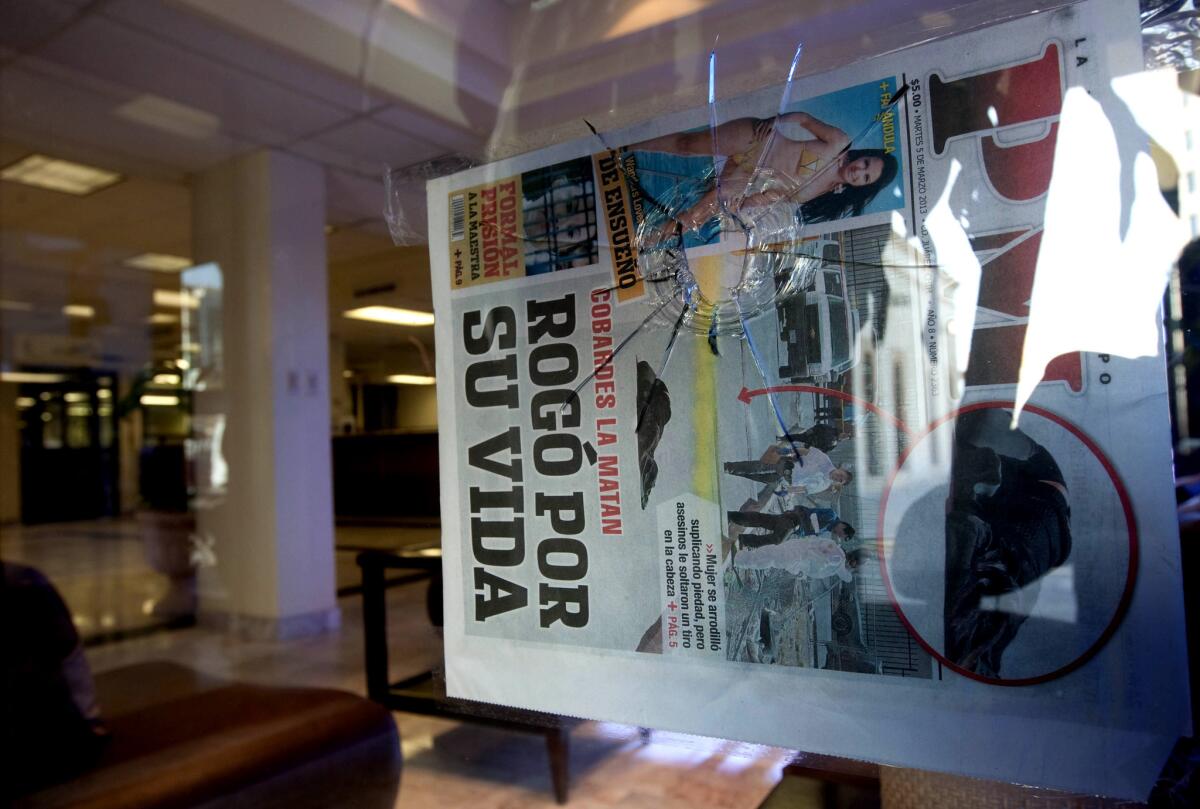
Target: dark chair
x,y
183,739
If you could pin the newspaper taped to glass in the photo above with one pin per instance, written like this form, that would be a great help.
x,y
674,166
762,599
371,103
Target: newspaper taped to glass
x,y
832,416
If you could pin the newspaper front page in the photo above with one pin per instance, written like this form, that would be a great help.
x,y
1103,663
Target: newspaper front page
x,y
712,468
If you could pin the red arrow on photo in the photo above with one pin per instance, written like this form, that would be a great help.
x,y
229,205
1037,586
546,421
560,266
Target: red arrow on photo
x,y
746,395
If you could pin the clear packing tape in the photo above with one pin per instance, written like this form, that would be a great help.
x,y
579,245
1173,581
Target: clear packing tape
x,y
616,62
404,196
1172,41
1170,32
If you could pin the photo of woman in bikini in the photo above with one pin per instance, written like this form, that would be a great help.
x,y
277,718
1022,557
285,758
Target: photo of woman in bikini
x,y
828,171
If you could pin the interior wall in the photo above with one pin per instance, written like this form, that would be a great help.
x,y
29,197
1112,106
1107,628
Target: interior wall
x,y
116,338
10,455
416,407
341,400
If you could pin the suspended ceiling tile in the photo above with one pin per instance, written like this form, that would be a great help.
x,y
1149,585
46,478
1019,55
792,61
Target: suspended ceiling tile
x,y
27,23
406,48
350,197
418,125
335,158
247,106
66,118
463,20
11,152
239,49
362,201
367,147
395,47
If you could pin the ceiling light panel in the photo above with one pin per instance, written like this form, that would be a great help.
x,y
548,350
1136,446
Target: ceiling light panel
x,y
58,175
391,315
411,379
79,310
170,116
158,261
30,377
177,300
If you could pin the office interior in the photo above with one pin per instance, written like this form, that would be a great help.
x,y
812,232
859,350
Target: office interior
x,y
218,377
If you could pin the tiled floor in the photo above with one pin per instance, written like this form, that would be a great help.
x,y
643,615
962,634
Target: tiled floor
x,y
99,566
102,569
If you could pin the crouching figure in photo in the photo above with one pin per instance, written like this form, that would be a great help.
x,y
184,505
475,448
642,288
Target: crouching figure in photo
x,y
1007,525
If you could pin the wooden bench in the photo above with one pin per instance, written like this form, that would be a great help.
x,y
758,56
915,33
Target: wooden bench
x,y
180,738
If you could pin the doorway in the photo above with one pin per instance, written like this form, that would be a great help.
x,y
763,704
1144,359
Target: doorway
x,y
69,455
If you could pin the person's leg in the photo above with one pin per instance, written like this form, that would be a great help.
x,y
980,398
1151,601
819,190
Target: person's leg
x,y
761,540
778,527
753,470
802,519
755,519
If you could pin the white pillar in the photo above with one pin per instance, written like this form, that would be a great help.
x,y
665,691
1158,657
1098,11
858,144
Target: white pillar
x,y
261,218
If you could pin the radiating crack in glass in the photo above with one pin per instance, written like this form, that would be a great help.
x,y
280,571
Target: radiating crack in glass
x,y
612,355
760,180
797,456
713,128
761,208
662,368
712,334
